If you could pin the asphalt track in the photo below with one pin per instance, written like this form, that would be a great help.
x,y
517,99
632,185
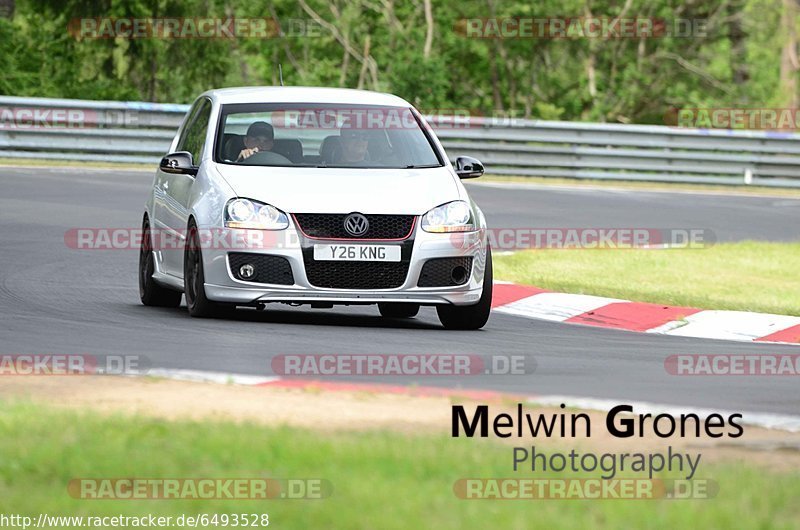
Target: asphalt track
x,y
59,300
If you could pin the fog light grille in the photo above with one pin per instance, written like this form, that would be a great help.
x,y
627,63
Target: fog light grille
x,y
445,272
266,268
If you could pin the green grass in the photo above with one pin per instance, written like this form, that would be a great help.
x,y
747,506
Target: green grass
x,y
748,276
380,480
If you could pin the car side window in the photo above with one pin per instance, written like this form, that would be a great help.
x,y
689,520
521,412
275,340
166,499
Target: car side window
x,y
192,114
194,136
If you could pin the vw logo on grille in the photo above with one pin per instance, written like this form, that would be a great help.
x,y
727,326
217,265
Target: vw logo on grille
x,y
356,224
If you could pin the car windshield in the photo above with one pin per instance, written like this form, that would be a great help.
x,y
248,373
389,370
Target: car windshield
x,y
317,135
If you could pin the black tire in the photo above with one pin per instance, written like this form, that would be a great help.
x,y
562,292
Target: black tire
x,y
151,293
398,309
194,281
470,316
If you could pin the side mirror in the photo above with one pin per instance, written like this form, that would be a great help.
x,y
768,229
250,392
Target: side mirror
x,y
178,163
468,167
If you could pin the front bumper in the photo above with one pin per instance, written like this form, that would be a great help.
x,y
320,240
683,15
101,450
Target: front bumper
x,y
221,286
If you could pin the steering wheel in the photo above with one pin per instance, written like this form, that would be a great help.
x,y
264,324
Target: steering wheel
x,y
267,158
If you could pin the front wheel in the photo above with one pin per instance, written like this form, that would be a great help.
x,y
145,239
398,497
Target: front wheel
x,y
470,316
194,281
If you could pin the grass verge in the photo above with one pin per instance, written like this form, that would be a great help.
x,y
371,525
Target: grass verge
x,y
380,479
747,276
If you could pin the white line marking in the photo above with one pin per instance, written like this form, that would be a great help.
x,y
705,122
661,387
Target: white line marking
x,y
784,422
555,306
731,325
200,376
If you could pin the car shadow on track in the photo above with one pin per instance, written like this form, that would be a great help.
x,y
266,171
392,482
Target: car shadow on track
x,y
320,317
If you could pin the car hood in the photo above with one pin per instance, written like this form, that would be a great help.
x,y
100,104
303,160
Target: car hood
x,y
339,190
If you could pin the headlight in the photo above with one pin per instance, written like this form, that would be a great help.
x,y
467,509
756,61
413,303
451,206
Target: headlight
x,y
244,213
454,216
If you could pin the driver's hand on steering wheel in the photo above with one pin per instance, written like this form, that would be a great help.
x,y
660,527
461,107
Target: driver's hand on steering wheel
x,y
247,153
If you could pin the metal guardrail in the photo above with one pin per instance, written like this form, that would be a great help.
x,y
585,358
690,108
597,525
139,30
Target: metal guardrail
x,y
137,132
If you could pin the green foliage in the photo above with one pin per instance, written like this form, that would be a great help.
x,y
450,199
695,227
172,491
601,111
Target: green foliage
x,y
380,45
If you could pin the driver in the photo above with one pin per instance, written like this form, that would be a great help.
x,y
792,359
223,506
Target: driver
x,y
354,144
260,137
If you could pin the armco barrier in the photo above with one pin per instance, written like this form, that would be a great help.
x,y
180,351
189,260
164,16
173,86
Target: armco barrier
x,y
141,132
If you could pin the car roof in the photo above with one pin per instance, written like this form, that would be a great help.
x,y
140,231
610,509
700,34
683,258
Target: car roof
x,y
302,94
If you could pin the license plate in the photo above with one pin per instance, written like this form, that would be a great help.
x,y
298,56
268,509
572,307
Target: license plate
x,y
356,253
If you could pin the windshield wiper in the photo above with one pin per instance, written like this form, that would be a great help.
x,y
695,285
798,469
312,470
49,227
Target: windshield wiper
x,y
422,167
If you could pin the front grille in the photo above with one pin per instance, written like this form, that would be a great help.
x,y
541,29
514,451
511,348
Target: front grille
x,y
356,274
331,226
268,269
438,272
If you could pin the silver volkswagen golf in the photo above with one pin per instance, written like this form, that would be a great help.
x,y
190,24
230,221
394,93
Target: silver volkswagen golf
x,y
314,196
